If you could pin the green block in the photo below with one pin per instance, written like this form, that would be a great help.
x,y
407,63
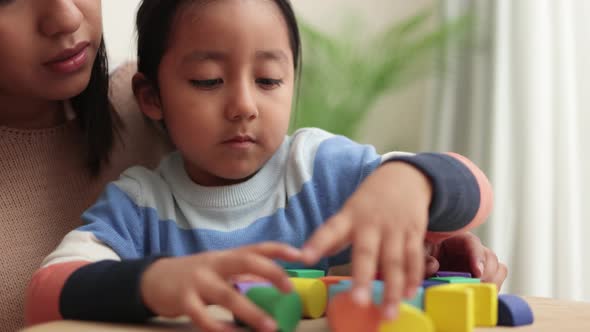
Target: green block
x,y
457,280
285,309
305,273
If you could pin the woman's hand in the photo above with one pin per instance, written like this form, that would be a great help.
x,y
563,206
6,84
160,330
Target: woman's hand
x,y
172,287
465,252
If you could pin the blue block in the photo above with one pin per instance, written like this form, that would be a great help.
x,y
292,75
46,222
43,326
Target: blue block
x,y
430,283
345,285
418,300
513,311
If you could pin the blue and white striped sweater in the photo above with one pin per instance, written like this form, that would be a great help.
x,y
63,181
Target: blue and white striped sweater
x,y
163,212
148,213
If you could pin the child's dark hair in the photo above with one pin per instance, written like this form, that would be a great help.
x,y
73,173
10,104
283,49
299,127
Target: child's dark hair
x,y
94,114
155,18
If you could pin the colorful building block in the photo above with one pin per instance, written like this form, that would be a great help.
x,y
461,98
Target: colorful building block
x,y
344,315
418,300
332,280
345,285
485,297
285,309
410,319
457,280
244,287
305,273
513,311
313,294
453,274
430,283
451,308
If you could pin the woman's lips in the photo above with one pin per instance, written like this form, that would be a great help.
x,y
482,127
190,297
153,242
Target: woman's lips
x,y
70,60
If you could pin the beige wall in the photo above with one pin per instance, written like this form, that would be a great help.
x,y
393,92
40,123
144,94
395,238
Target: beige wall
x,y
395,122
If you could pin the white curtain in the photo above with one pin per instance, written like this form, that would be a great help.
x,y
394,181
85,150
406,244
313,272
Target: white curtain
x,y
511,100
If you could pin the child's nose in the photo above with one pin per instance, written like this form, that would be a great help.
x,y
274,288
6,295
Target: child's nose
x,y
241,105
60,17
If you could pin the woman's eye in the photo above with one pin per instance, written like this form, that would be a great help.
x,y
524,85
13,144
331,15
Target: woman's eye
x,y
269,83
207,84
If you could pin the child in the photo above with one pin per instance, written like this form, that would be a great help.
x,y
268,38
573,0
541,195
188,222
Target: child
x,y
61,140
221,75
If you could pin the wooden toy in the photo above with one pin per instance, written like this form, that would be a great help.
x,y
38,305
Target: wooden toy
x,y
344,315
456,280
305,273
244,287
513,311
410,319
332,280
285,309
451,308
313,294
453,274
485,297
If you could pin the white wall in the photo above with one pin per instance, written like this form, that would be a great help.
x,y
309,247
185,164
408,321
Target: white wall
x,y
396,121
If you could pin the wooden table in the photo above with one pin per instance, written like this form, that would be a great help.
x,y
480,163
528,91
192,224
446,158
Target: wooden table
x,y
550,316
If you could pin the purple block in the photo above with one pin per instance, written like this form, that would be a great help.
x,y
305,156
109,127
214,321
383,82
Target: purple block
x,y
443,274
513,311
244,287
430,283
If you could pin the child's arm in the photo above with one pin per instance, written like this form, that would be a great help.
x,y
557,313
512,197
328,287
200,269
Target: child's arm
x,y
100,271
387,216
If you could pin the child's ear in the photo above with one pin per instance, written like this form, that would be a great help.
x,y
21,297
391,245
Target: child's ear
x,y
147,97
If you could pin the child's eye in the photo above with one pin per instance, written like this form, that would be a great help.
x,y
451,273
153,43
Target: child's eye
x,y
269,83
207,84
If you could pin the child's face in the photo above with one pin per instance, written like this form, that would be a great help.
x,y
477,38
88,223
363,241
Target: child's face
x,y
48,47
226,85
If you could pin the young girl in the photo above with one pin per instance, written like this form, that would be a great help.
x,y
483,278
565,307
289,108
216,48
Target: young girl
x,y
58,146
221,75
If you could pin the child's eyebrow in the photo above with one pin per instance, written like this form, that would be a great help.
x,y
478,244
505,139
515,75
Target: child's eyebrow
x,y
275,55
204,56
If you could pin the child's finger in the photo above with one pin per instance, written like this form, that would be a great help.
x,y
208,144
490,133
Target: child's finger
x,y
221,293
365,256
414,262
251,263
196,310
335,233
275,250
392,264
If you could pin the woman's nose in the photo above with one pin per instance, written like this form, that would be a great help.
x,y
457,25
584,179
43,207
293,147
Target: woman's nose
x,y
60,17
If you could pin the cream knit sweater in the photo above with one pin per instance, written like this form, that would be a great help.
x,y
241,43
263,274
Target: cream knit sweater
x,y
44,187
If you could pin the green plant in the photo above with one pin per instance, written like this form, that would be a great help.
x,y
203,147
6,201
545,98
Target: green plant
x,y
344,76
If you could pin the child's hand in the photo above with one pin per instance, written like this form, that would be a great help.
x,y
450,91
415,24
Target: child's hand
x,y
465,252
385,219
172,287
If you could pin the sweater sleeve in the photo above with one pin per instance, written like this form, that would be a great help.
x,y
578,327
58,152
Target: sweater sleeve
x,y
94,273
462,195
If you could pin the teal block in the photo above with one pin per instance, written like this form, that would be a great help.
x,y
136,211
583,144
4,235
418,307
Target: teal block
x,y
457,280
305,273
418,300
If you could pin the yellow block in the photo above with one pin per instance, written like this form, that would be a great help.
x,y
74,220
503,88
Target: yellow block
x,y
451,308
313,294
486,303
410,319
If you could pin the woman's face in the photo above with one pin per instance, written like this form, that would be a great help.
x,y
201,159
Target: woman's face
x,y
48,47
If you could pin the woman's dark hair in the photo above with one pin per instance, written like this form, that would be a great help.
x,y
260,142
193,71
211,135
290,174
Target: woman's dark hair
x,y
154,21
94,114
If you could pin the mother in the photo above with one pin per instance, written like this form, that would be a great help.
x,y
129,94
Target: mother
x,y
61,136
